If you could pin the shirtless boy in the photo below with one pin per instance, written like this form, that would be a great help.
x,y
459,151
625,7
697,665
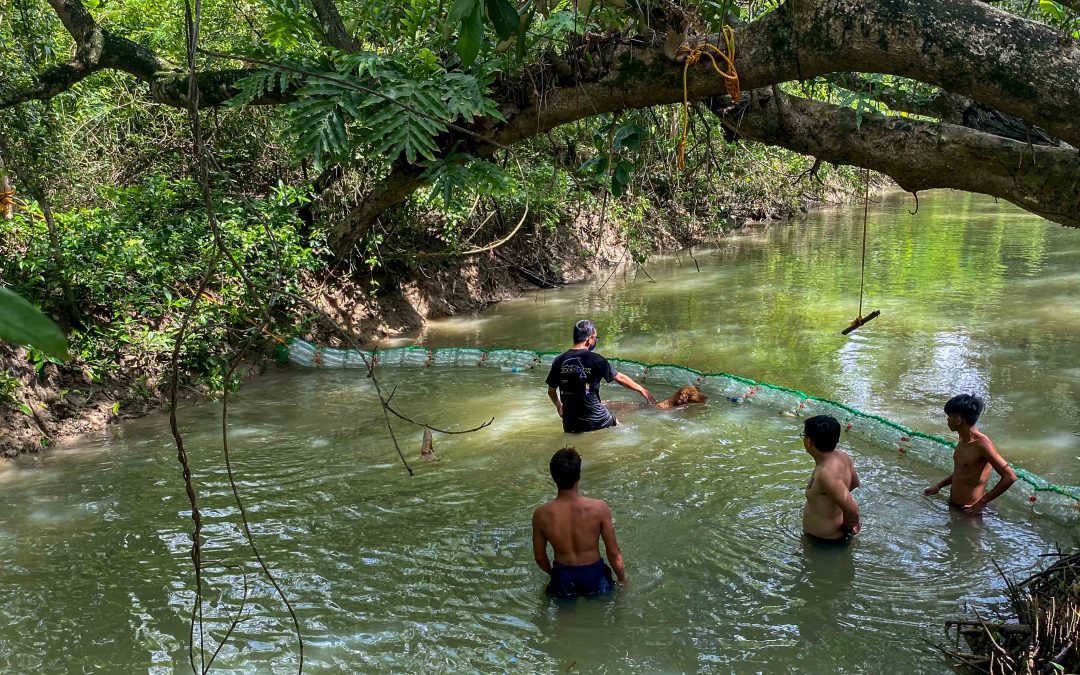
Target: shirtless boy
x,y
973,458
573,525
831,515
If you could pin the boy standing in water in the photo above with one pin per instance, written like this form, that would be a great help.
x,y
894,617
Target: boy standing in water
x,y
573,525
973,458
831,515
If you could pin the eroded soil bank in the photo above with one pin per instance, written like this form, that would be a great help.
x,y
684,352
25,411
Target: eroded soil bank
x,y
42,403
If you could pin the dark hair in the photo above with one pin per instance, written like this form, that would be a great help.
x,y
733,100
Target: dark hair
x,y
967,406
566,468
823,431
583,330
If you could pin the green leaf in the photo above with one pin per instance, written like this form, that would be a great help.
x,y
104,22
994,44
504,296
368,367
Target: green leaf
x,y
24,324
622,172
628,136
470,37
503,17
617,188
460,10
1053,9
597,165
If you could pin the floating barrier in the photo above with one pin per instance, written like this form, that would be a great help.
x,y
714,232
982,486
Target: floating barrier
x,y
1060,503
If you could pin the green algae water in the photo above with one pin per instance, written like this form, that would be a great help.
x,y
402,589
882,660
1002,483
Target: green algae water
x,y
434,573
976,297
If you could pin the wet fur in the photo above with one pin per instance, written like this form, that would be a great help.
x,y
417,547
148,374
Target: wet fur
x,y
684,396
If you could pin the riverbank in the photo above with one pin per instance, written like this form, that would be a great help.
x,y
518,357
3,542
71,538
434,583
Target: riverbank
x,y
43,402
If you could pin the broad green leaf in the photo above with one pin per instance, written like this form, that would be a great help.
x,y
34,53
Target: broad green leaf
x,y
460,10
1053,9
617,188
24,324
628,136
597,165
470,37
503,17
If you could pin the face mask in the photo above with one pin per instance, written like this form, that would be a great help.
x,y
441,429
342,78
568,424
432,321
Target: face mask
x,y
593,345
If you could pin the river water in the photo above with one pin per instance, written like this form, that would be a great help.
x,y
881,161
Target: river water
x,y
391,573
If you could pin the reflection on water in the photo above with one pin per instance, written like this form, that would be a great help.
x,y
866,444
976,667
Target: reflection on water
x,y
435,573
976,297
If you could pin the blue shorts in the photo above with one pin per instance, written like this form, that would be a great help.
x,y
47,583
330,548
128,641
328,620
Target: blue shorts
x,y
822,542
572,581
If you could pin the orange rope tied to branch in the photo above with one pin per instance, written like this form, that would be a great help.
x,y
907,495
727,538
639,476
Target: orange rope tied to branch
x,y
730,75
7,203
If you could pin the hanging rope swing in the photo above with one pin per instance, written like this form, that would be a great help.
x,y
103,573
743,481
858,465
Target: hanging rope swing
x,y
860,320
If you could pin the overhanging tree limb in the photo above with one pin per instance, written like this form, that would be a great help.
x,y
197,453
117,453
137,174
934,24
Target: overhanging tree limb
x,y
917,155
97,48
1007,63
947,107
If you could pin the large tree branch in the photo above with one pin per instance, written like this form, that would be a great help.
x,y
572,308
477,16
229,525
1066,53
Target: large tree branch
x,y
333,28
1005,62
917,155
947,107
1019,67
98,49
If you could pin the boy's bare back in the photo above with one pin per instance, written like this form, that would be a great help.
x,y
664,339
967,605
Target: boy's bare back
x,y
573,526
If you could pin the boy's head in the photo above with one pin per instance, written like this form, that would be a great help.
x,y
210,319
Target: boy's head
x,y
822,431
566,468
964,408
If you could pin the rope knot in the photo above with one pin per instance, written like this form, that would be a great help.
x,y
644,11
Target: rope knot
x,y
728,72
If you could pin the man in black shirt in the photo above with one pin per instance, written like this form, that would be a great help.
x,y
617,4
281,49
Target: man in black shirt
x,y
574,383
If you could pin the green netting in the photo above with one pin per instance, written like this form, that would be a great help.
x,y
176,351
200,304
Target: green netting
x,y
1060,502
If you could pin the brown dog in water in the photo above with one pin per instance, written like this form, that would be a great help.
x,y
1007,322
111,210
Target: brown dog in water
x,y
684,396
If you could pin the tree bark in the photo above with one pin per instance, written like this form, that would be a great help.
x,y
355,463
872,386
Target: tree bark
x,y
332,26
917,155
947,107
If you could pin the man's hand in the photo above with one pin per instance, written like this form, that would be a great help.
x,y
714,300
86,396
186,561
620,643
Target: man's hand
x,y
647,396
974,509
558,409
932,490
851,530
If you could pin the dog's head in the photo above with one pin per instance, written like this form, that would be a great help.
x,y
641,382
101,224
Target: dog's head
x,y
685,396
689,394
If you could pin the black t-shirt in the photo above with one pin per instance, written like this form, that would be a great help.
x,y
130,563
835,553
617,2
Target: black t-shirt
x,y
577,374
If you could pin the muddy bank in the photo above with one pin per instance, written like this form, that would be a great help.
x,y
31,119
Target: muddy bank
x,y
43,403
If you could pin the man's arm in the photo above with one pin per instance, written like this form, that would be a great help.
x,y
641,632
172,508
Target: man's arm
x,y
839,493
625,381
1008,477
614,555
540,544
933,489
553,394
